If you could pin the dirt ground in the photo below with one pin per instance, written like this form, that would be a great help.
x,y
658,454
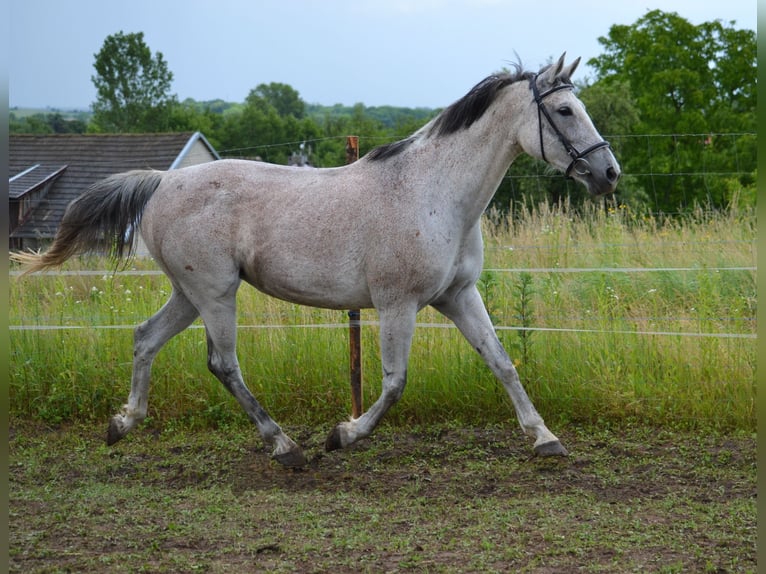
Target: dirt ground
x,y
436,499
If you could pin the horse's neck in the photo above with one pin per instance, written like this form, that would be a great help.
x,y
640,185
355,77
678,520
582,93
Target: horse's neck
x,y
468,166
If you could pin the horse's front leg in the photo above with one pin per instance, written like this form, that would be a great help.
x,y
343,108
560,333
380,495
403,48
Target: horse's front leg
x,y
396,330
466,309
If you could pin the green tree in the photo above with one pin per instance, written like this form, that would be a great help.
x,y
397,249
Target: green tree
x,y
270,126
256,131
692,82
34,124
133,87
614,113
282,97
187,117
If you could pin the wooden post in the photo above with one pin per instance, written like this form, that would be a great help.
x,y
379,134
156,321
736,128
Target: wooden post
x,y
354,316
352,149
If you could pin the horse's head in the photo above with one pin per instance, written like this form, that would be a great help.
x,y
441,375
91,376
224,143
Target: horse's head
x,y
560,132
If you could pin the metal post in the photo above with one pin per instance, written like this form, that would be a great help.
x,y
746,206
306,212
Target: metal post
x,y
354,316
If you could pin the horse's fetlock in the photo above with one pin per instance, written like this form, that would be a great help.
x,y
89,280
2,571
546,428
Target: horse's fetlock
x,y
394,392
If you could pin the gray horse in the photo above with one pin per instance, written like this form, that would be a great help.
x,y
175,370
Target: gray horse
x,y
397,230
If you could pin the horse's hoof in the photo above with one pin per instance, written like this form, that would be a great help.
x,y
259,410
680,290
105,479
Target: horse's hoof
x,y
333,441
291,459
114,433
552,448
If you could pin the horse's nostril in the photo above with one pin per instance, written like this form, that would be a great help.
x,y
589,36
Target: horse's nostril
x,y
611,174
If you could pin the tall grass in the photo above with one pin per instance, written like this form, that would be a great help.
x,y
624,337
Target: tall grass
x,y
590,346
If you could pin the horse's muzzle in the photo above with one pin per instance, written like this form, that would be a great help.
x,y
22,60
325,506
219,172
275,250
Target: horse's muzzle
x,y
598,184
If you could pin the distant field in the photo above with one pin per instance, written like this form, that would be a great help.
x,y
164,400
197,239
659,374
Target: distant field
x,y
610,316
67,113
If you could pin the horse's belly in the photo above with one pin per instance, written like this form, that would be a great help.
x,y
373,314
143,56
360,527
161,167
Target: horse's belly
x,y
316,289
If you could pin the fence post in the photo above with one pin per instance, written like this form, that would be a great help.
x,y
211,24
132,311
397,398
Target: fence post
x,y
354,316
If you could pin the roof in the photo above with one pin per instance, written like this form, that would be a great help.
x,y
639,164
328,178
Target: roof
x,y
33,177
79,160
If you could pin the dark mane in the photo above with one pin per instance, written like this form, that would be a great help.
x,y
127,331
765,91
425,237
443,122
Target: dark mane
x,y
459,115
472,106
389,150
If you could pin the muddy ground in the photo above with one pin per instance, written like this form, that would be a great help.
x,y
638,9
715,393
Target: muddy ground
x,y
436,499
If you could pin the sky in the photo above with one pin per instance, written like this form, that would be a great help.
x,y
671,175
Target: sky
x,y
410,53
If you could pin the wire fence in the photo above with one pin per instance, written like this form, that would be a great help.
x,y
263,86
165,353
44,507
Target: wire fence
x,y
432,325
719,394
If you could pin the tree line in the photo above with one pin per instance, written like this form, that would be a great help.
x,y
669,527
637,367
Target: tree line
x,y
677,102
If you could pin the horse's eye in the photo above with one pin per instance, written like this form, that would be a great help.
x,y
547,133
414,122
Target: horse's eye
x,y
565,111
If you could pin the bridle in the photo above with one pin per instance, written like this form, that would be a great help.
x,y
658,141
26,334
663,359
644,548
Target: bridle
x,y
579,164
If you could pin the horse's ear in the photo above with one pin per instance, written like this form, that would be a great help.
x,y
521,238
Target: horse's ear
x,y
559,66
567,73
552,72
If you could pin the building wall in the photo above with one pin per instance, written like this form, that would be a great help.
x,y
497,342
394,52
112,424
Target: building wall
x,y
199,153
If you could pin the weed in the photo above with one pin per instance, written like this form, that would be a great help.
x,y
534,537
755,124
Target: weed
x,y
524,314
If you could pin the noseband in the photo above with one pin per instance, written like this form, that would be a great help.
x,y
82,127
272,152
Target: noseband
x,y
579,164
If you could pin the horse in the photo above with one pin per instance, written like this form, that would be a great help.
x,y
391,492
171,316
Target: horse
x,y
397,230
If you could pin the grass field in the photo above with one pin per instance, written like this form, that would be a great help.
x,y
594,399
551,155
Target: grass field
x,y
591,344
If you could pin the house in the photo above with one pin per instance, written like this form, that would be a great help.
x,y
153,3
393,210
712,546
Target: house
x,y
48,171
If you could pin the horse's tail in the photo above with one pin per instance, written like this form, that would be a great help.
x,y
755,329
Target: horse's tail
x,y
105,216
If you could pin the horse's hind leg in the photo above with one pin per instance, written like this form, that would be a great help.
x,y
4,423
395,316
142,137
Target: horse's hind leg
x,y
466,309
219,316
148,338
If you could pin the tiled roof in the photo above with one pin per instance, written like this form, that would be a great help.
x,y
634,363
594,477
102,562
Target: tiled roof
x,y
33,177
87,158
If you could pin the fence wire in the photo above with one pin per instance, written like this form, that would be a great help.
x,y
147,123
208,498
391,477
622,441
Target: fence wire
x,y
546,270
